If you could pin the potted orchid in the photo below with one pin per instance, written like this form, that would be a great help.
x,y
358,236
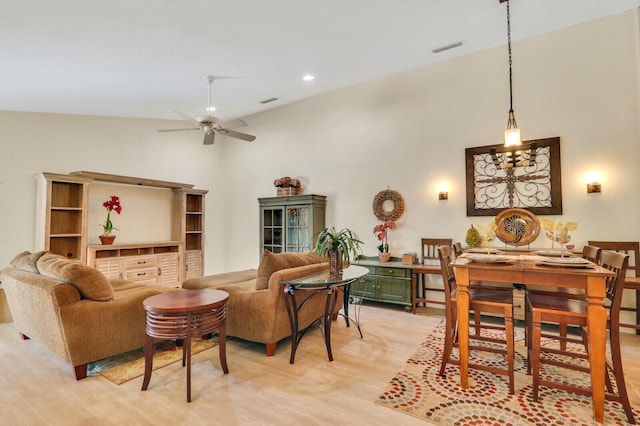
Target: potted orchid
x,y
112,204
382,232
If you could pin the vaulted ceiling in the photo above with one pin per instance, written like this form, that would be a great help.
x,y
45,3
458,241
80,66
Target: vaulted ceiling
x,y
144,58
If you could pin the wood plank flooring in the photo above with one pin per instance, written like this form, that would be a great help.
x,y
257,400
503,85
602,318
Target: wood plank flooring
x,y
38,389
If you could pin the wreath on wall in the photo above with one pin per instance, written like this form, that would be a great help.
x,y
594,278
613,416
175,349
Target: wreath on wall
x,y
398,205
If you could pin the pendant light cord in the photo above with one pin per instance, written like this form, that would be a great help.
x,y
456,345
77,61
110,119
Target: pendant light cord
x,y
510,62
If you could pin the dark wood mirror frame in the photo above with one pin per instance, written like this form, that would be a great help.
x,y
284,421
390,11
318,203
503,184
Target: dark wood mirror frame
x,y
536,187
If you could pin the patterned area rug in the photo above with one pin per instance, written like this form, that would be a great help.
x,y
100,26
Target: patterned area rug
x,y
130,365
418,390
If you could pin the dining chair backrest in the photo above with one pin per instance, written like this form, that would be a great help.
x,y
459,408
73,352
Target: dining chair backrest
x,y
430,247
457,249
618,263
632,248
592,253
448,278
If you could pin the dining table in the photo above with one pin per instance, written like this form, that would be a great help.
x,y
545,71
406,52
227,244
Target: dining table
x,y
530,270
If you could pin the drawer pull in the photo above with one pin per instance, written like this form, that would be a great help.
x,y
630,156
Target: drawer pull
x,y
141,262
141,274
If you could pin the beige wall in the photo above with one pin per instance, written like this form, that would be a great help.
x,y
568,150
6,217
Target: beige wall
x,y
407,132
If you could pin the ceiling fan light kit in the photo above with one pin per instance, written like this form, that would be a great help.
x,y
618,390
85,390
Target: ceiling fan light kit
x,y
211,125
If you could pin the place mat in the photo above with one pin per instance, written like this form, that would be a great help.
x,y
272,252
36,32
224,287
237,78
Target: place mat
x,y
490,258
554,253
483,250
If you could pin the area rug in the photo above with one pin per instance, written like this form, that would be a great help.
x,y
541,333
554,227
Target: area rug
x,y
419,391
130,365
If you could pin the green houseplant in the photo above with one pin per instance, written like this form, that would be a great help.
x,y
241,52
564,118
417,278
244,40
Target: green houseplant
x,y
336,246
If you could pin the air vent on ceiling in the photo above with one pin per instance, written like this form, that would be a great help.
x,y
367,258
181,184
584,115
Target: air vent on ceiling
x,y
266,101
447,47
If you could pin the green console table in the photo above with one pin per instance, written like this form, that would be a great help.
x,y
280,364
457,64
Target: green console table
x,y
388,282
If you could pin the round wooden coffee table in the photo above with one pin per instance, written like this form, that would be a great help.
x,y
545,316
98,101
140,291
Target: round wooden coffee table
x,y
182,315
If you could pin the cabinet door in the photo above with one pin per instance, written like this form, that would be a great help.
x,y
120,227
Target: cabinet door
x,y
110,268
298,232
394,290
193,264
169,270
272,229
366,288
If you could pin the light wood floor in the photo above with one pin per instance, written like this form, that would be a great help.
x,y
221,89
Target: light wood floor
x,y
38,389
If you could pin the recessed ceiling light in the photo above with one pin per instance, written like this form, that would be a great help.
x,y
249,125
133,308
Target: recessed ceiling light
x,y
308,77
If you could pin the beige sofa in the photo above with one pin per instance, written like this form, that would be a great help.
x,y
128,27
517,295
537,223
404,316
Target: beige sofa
x,y
256,309
73,310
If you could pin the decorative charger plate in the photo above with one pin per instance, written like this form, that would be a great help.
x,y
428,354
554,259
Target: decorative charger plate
x,y
517,227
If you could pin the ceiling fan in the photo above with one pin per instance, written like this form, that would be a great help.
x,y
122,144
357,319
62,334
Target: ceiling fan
x,y
211,125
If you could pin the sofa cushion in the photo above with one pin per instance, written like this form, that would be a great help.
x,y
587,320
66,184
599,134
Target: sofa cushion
x,y
27,261
272,262
91,283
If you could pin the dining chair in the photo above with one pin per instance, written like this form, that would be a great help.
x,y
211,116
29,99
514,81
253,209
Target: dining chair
x,y
457,249
632,248
552,309
494,302
591,253
430,252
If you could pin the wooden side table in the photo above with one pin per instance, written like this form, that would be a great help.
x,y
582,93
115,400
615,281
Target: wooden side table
x,y
182,315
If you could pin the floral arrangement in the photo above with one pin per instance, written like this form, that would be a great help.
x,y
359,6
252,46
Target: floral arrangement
x,y
111,204
558,231
382,231
286,182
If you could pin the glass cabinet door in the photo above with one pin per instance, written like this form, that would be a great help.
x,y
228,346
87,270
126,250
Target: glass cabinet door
x,y
298,238
273,230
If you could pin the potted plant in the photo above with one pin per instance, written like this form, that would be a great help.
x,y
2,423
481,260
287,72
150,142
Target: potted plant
x,y
112,204
336,246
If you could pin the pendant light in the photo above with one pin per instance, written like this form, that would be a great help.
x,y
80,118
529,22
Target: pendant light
x,y
512,134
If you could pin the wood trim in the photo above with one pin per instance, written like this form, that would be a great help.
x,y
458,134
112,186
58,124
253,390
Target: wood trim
x,y
130,180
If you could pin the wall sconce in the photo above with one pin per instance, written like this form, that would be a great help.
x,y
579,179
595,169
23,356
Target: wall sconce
x,y
443,191
594,188
594,183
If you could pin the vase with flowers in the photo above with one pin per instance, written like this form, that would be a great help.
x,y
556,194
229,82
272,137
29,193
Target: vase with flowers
x,y
112,204
382,232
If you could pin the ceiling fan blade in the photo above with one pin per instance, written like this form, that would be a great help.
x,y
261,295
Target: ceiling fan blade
x,y
237,135
233,123
177,130
209,138
187,117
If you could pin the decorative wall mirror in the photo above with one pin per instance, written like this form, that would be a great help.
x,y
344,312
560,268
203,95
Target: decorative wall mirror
x,y
528,177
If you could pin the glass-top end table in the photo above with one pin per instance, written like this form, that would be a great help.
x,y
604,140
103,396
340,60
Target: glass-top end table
x,y
316,283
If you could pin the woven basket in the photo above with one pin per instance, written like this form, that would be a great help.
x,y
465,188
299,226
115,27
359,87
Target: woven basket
x,y
288,191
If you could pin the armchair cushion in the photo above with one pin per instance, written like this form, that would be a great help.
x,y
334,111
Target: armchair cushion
x,y
90,282
272,262
27,261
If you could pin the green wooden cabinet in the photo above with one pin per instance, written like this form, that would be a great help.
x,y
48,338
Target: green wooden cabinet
x,y
388,282
290,223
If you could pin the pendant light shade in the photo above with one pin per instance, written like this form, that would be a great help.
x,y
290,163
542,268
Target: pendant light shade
x,y
512,134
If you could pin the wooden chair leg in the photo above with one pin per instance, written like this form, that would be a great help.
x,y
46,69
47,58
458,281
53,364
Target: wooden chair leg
x,y
449,340
508,325
562,331
616,357
534,353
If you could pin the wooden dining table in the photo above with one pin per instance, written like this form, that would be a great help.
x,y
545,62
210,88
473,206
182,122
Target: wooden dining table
x,y
525,270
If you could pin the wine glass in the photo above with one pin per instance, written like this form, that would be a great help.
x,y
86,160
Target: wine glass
x,y
549,234
487,240
563,238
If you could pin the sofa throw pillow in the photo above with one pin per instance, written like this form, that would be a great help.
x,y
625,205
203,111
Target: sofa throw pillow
x,y
27,261
90,282
272,262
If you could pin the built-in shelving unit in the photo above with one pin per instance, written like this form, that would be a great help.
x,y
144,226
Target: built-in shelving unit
x,y
62,229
